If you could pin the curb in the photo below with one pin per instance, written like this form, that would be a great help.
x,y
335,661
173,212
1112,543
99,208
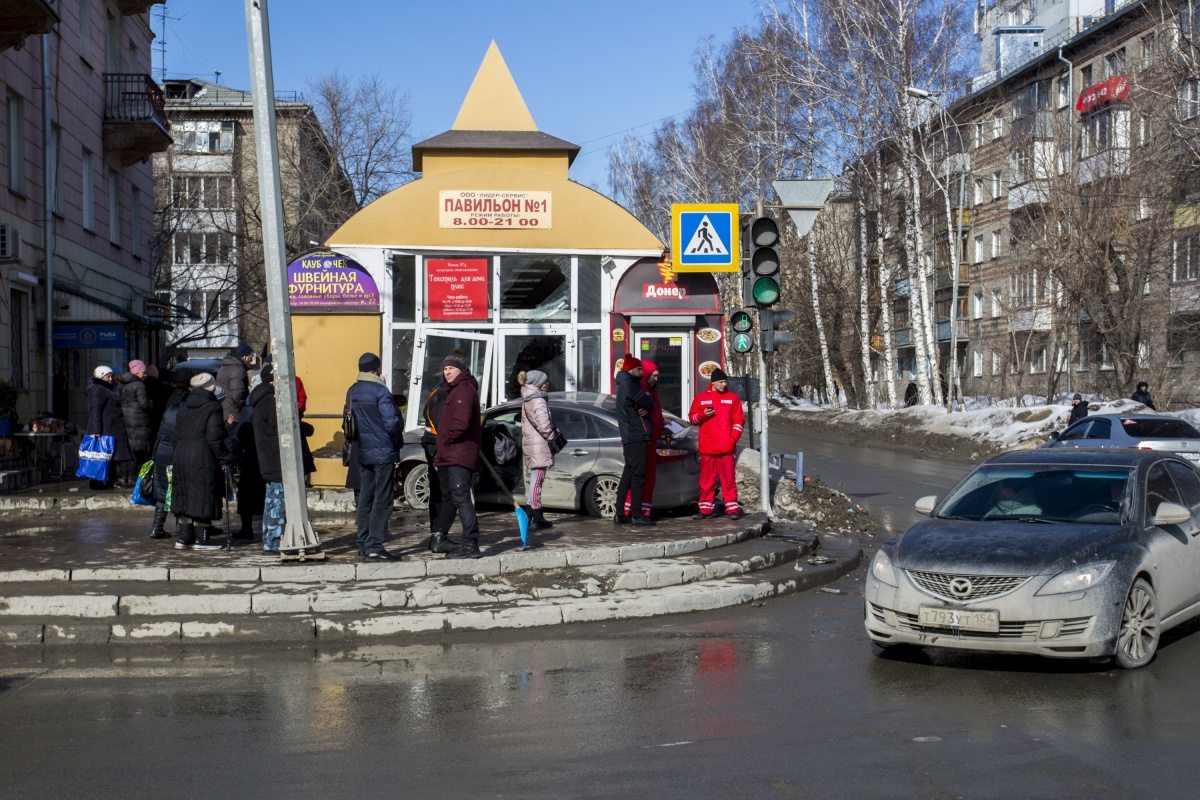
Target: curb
x,y
320,501
234,623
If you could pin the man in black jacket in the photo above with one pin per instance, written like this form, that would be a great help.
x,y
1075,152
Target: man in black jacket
x,y
232,378
266,443
1142,395
438,542
633,405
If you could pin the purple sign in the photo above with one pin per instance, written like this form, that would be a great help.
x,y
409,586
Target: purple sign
x,y
325,281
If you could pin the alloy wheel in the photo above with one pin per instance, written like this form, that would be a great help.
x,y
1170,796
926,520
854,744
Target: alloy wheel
x,y
605,493
1138,639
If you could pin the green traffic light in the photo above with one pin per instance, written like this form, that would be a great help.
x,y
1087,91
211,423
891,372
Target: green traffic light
x,y
766,291
743,343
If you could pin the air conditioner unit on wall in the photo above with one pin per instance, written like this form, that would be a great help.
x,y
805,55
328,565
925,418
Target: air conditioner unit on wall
x,y
10,242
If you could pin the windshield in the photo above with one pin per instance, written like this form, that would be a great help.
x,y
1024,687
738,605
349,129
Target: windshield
x,y
1040,493
1159,429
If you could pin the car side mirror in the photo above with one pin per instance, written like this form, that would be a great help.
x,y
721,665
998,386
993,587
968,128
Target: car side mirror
x,y
1171,514
1054,435
926,504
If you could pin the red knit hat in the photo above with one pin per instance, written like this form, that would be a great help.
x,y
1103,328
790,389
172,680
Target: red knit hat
x,y
629,362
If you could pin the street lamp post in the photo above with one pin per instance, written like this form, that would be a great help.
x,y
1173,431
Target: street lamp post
x,y
922,94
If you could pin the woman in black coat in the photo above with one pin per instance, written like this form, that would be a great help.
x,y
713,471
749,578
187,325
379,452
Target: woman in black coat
x,y
163,453
251,488
106,419
135,406
198,465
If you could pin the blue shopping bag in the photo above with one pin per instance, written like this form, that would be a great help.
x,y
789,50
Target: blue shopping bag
x,y
140,496
95,452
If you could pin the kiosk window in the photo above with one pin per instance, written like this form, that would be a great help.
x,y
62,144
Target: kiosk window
x,y
404,289
547,354
535,289
587,378
589,288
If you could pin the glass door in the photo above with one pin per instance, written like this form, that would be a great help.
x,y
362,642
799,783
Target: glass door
x,y
671,351
524,350
434,345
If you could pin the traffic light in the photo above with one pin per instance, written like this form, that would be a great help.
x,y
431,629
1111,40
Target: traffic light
x,y
768,322
764,262
742,338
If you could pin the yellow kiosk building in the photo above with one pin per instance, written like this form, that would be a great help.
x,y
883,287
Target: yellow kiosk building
x,y
494,252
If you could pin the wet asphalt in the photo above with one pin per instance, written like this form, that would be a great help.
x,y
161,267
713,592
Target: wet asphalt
x,y
781,699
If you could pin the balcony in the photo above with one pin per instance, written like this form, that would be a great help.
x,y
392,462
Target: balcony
x,y
1038,125
20,19
1111,163
943,330
131,7
944,277
940,220
902,337
135,118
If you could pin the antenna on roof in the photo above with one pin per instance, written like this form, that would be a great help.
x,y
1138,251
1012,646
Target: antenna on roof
x,y
161,44
217,74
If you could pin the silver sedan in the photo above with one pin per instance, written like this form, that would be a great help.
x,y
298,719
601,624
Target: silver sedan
x,y
585,474
1068,554
1139,431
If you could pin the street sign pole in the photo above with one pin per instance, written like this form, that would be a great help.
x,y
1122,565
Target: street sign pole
x,y
299,541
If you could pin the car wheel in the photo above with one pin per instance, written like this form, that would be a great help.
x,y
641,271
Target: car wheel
x,y
416,487
1138,638
600,496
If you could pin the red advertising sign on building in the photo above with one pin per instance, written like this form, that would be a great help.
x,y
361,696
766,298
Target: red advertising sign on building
x,y
457,289
1098,94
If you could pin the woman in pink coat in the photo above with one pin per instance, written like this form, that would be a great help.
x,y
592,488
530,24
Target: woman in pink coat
x,y
537,429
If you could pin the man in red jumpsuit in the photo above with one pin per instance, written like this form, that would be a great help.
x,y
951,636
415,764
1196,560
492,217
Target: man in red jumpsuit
x,y
717,412
657,424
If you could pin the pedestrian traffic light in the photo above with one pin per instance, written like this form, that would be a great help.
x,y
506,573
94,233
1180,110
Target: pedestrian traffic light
x,y
764,262
768,323
742,338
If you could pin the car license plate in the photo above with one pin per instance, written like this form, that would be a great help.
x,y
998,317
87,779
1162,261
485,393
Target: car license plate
x,y
1191,456
987,621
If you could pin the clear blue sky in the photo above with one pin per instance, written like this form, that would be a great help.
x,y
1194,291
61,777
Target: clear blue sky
x,y
589,71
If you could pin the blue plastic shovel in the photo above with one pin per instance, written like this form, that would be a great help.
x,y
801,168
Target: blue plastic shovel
x,y
522,517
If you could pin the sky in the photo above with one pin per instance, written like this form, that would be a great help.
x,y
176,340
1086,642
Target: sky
x,y
589,71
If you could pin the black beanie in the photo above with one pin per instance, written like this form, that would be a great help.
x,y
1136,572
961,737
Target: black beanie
x,y
369,362
718,374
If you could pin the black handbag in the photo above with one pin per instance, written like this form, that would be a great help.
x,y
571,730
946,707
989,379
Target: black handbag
x,y
349,425
557,442
349,431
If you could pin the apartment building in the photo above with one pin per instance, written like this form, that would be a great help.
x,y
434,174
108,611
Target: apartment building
x,y
81,119
209,280
1080,237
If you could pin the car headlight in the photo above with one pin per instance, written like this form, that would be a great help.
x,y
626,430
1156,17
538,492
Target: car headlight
x,y
1078,579
882,569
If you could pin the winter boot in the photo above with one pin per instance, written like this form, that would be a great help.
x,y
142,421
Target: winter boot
x,y
187,534
539,519
246,532
465,551
160,520
442,543
206,540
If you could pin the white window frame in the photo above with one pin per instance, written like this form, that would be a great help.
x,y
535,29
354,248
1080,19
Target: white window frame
x,y
977,305
979,249
977,363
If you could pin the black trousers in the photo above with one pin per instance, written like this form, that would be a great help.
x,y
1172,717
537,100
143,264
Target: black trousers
x,y
375,498
456,497
633,477
435,486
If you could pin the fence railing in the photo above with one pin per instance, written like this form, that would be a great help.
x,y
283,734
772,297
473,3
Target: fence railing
x,y
133,97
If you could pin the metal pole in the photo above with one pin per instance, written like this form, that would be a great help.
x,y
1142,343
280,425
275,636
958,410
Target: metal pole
x,y
764,456
299,541
48,168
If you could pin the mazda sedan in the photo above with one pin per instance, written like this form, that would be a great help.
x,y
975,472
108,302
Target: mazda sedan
x,y
1061,553
585,474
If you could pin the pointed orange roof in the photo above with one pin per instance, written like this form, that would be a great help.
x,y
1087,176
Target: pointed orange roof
x,y
493,118
494,102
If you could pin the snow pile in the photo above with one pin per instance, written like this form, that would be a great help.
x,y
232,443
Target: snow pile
x,y
1021,424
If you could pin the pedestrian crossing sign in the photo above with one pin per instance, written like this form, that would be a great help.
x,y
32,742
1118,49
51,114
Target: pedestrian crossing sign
x,y
704,237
